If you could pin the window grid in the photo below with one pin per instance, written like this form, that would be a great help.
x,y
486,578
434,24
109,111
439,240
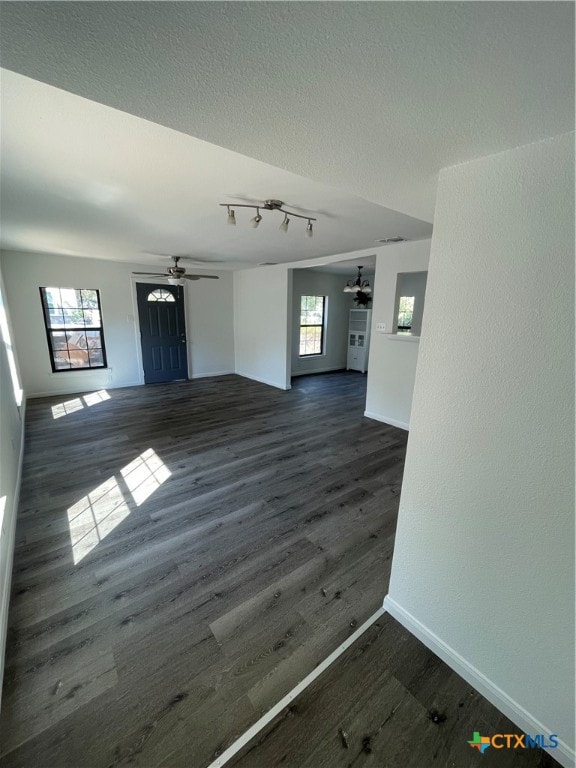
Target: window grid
x,y
312,317
73,323
405,313
161,294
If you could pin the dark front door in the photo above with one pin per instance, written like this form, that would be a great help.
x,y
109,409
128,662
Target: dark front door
x,y
163,332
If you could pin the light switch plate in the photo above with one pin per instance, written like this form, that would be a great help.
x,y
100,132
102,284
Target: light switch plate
x,y
381,327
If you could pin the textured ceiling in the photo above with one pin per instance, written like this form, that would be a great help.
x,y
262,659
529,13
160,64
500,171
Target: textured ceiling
x,y
371,97
79,178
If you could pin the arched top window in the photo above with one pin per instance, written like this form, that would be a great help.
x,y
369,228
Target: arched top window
x,y
161,294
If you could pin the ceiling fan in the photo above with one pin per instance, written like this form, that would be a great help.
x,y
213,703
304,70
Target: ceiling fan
x,y
175,275
186,257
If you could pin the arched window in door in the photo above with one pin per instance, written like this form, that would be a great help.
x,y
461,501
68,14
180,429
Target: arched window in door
x,y
161,294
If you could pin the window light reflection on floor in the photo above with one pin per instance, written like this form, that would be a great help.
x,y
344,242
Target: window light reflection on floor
x,y
144,475
93,517
76,404
96,397
70,406
96,515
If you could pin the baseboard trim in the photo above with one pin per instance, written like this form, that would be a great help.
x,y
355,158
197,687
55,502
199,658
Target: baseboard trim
x,y
385,420
214,373
331,369
308,680
7,576
261,381
67,393
506,704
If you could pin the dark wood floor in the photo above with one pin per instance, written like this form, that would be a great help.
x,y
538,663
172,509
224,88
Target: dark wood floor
x,y
154,617
387,702
186,554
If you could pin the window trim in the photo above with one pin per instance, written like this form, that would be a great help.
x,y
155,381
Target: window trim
x,y
48,328
321,325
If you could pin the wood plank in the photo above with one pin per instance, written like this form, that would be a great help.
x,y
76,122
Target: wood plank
x,y
359,712
203,605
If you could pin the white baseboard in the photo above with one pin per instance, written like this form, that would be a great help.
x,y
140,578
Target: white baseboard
x,y
6,577
386,420
319,370
505,703
79,391
262,381
214,373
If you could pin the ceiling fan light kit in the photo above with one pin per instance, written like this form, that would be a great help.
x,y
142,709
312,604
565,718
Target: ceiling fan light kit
x,y
269,205
176,275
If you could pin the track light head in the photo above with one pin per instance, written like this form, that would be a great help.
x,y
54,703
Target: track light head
x,y
257,219
231,217
309,230
284,225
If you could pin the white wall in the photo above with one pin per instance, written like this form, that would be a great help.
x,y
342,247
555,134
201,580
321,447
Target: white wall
x,y
262,298
209,318
11,447
263,317
308,282
483,566
393,358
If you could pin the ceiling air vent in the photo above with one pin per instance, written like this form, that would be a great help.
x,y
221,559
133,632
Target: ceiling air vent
x,y
268,264
391,240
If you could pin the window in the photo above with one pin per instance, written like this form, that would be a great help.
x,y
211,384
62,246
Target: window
x,y
312,315
405,313
73,323
161,294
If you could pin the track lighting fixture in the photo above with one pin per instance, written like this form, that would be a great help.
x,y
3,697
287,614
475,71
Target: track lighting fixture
x,y
269,205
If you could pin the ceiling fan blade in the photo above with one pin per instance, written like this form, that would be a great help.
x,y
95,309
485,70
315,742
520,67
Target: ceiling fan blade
x,y
200,260
152,274
250,200
199,277
186,257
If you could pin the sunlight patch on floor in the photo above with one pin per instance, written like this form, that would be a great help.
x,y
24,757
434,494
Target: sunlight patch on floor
x,y
144,475
63,409
76,404
93,517
96,397
96,515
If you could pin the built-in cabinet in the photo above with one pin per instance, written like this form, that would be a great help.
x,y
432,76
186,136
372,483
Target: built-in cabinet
x,y
358,339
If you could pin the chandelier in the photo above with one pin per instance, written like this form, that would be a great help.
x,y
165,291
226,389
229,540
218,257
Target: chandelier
x,y
268,205
358,285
